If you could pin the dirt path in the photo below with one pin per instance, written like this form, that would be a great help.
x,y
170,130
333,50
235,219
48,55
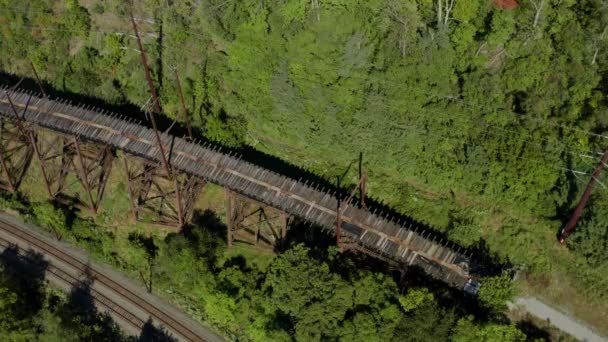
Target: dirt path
x,y
556,318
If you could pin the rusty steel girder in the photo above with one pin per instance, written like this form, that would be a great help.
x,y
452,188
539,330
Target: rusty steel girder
x,y
252,222
158,197
67,160
91,164
52,156
16,154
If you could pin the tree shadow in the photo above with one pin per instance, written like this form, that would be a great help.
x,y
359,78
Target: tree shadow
x,y
17,201
311,235
80,315
231,286
147,243
533,333
208,220
69,206
25,272
152,333
239,262
564,210
487,263
205,236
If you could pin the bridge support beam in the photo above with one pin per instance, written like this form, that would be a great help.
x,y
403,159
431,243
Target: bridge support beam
x,y
158,197
254,223
15,155
53,155
93,164
61,157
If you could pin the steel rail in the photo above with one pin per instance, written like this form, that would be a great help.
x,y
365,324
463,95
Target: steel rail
x,y
126,293
99,297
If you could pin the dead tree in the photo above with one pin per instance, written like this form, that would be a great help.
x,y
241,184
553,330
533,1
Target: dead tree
x,y
406,17
316,6
444,9
538,6
597,43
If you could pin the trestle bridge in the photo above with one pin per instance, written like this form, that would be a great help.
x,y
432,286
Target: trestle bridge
x,y
72,141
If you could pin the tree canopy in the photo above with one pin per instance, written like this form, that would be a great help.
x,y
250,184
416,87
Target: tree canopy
x,y
478,120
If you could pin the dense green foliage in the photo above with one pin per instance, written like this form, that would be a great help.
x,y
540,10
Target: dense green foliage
x,y
496,291
468,119
466,330
303,294
30,310
447,107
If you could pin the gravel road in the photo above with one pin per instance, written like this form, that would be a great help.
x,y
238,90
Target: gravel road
x,y
557,319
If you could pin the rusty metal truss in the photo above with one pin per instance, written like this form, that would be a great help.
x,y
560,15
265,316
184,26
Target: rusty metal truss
x,y
16,154
92,167
158,197
90,164
50,150
51,126
254,223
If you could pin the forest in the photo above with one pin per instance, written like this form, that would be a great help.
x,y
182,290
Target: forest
x,y
307,293
481,121
32,310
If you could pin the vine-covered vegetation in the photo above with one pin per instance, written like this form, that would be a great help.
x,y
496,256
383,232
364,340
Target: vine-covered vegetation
x,y
472,118
304,294
31,310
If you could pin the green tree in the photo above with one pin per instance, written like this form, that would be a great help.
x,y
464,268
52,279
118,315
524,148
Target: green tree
x,y
591,238
428,322
467,330
77,19
304,289
50,217
13,327
415,298
496,291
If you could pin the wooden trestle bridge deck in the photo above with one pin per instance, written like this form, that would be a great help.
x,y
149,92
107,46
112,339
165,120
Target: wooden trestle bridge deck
x,y
380,237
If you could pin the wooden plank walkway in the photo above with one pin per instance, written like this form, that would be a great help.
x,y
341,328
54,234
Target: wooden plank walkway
x,y
410,245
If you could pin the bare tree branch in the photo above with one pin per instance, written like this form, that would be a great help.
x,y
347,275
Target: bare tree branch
x,y
597,45
538,6
449,4
315,5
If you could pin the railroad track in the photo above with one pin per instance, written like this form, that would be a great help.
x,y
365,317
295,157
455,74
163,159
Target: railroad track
x,y
99,297
136,300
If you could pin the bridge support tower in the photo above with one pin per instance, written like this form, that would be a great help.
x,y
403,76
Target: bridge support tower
x,y
65,161
254,223
156,196
16,154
